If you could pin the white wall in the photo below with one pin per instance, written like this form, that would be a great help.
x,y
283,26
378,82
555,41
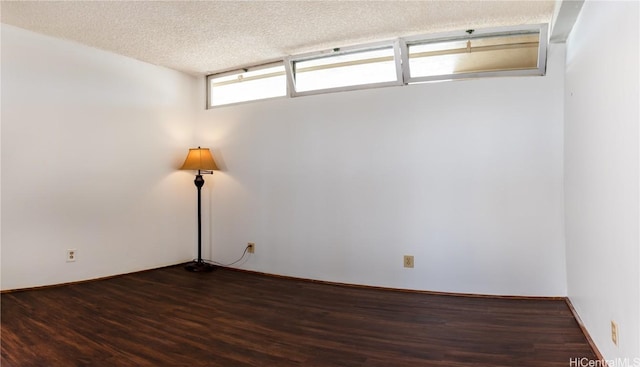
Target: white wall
x,y
466,176
90,143
601,179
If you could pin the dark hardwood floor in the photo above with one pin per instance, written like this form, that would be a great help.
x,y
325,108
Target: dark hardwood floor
x,y
170,317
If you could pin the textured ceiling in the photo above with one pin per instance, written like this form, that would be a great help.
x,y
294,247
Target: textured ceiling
x,y
200,37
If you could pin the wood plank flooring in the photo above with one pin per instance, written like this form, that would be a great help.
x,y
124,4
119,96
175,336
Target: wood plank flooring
x,y
170,317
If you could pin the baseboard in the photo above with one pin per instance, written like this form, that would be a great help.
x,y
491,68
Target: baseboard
x,y
593,346
48,286
435,293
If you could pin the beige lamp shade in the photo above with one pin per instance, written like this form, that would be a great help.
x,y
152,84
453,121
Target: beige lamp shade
x,y
199,159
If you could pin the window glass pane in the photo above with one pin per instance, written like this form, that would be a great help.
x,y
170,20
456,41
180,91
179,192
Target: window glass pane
x,y
356,68
498,53
247,86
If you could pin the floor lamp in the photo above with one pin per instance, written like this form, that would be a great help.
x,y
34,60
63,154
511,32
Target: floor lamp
x,y
199,159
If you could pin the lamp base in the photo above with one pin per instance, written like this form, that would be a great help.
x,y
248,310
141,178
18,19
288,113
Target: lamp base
x,y
200,267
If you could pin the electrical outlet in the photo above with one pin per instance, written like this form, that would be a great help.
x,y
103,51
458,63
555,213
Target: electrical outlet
x,y
614,332
408,261
71,255
251,247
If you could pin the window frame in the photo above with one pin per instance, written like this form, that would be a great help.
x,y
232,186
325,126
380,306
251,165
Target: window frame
x,y
541,29
393,44
400,48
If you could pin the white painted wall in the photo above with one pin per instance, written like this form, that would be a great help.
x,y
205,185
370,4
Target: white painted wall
x,y
466,176
90,143
601,179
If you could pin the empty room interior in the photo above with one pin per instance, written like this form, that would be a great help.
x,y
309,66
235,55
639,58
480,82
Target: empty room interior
x,y
320,183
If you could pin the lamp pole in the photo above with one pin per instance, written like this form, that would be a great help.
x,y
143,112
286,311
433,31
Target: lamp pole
x,y
199,265
199,181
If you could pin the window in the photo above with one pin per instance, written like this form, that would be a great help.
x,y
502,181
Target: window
x,y
477,54
247,85
342,69
507,51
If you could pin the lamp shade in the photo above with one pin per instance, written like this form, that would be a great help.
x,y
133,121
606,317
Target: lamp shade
x,y
199,159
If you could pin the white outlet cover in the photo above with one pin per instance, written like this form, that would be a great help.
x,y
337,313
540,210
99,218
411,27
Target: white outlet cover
x,y
72,255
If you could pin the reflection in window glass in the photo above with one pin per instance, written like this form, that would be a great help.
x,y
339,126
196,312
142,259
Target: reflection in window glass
x,y
356,68
498,53
247,86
